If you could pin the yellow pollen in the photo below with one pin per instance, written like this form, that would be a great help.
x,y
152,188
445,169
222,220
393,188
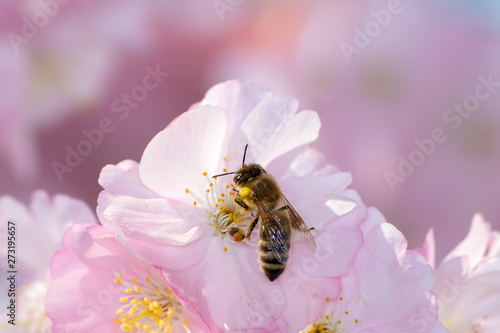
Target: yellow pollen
x,y
211,184
204,174
187,191
339,322
216,227
244,191
341,298
222,194
355,320
225,249
347,312
208,191
224,159
327,317
215,178
224,170
194,203
227,186
327,299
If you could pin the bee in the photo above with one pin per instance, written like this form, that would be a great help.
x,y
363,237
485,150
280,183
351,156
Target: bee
x,y
258,192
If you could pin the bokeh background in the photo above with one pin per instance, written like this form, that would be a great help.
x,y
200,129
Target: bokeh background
x,y
64,67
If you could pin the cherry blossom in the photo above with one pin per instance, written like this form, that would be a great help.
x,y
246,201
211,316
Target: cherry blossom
x,y
467,280
169,209
38,232
97,286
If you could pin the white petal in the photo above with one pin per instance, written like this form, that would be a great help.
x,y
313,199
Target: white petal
x,y
177,157
273,129
155,219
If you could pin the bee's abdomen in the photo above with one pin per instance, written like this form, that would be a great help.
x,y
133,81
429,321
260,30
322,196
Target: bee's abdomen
x,y
269,263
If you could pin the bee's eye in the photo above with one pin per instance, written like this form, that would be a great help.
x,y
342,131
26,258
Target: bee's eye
x,y
237,178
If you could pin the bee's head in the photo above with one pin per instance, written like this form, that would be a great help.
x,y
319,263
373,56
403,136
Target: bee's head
x,y
247,172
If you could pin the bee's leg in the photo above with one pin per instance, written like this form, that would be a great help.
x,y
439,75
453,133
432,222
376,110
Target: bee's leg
x,y
237,233
251,227
240,202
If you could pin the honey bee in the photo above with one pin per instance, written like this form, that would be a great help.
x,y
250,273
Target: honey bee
x,y
258,192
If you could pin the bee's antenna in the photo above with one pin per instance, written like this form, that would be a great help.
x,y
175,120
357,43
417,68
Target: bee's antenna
x,y
223,174
244,154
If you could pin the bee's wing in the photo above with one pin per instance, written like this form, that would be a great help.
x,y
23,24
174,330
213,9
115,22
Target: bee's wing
x,y
277,228
299,228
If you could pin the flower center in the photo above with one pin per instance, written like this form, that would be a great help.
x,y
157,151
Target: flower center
x,y
336,320
216,200
148,306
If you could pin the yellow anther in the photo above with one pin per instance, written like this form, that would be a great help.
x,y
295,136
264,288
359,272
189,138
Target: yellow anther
x,y
170,293
341,298
185,322
194,203
211,184
123,299
126,328
168,328
225,249
224,170
148,279
134,281
355,320
204,174
347,312
117,281
116,321
137,288
158,292
119,312
187,191
129,291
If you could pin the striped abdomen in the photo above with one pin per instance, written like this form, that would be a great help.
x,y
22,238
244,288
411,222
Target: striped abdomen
x,y
270,263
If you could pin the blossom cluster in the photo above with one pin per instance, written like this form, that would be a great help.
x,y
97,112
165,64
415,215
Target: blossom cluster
x,y
162,255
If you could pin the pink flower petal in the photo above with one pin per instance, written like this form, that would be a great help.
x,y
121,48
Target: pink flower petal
x,y
474,244
272,134
177,157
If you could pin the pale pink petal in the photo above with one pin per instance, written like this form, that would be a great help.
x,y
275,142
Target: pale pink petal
x,y
172,256
474,244
177,157
428,249
156,219
272,134
123,179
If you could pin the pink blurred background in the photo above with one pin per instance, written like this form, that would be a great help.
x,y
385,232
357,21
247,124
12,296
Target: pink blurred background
x,y
65,67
